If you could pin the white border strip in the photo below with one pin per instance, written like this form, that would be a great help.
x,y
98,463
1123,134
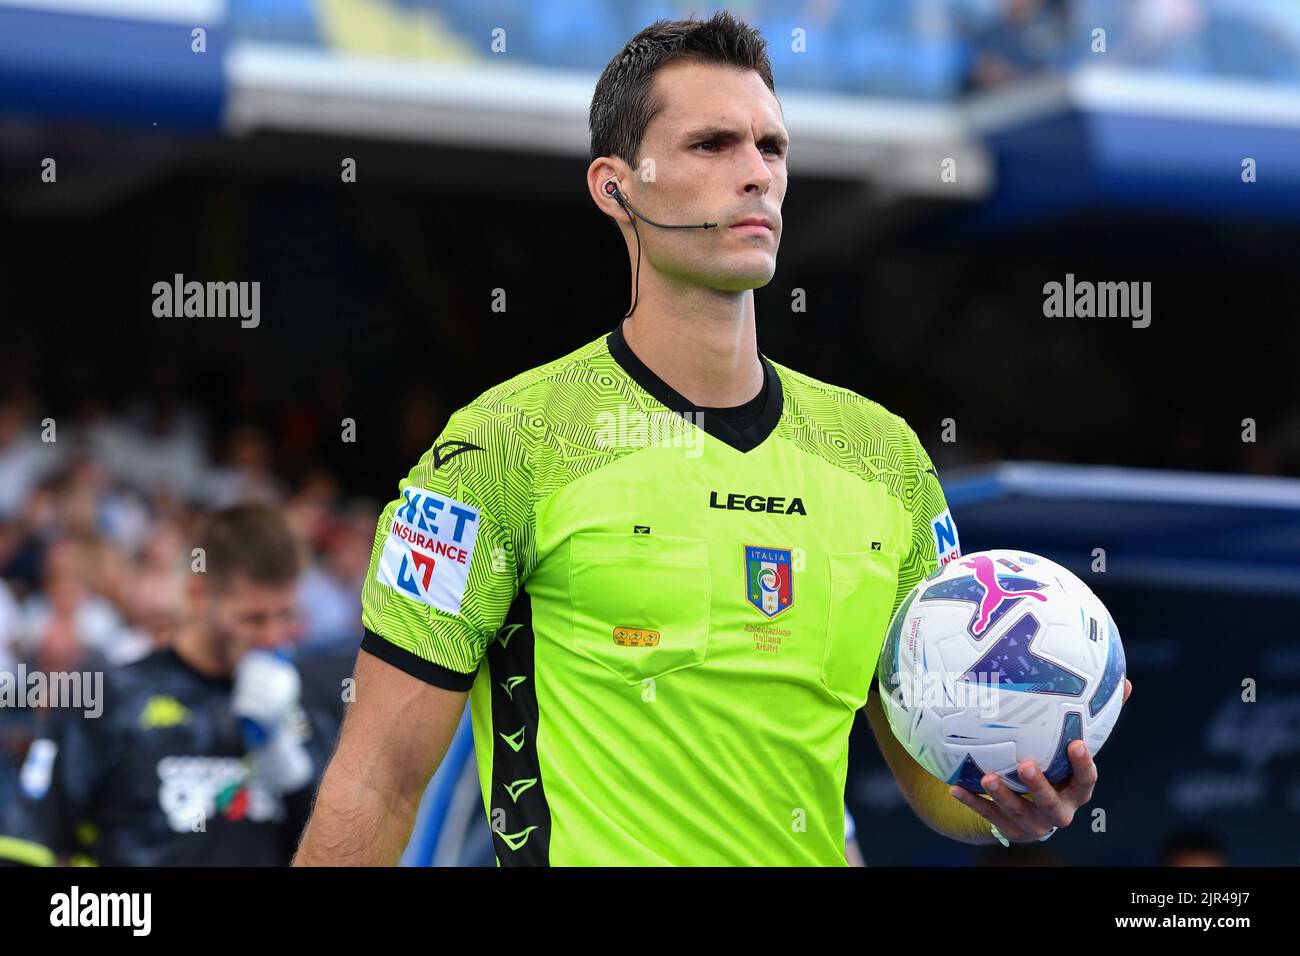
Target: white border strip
x,y
196,12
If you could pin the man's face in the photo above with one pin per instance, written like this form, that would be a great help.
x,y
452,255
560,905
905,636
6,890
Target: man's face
x,y
719,149
245,614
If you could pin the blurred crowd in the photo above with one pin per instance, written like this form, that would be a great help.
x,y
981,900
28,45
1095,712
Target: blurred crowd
x,y
96,522
96,535
923,48
1249,39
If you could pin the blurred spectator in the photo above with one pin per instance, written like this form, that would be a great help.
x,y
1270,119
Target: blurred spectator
x,y
247,474
10,618
1193,848
20,556
1157,32
24,458
1023,38
67,620
154,600
244,746
14,729
330,590
310,509
151,448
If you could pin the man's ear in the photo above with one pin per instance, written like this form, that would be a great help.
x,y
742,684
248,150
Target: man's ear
x,y
600,172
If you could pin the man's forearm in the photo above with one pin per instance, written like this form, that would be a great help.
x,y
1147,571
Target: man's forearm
x,y
941,812
926,793
355,823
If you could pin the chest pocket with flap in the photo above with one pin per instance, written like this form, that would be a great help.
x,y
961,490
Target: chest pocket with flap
x,y
639,602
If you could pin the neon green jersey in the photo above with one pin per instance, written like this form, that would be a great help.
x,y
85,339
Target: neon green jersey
x,y
666,620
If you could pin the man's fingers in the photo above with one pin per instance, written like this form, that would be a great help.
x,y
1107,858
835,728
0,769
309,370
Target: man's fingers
x,y
1128,689
1046,799
1018,816
1015,806
984,808
1084,777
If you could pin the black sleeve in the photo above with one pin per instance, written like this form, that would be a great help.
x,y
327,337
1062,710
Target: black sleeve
x,y
55,788
417,666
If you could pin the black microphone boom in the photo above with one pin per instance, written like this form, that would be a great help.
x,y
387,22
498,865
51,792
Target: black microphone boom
x,y
611,188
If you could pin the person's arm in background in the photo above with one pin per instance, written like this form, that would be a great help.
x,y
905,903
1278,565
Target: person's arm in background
x,y
56,784
394,736
443,574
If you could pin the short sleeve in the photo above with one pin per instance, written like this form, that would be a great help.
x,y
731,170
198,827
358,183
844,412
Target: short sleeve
x,y
443,570
934,533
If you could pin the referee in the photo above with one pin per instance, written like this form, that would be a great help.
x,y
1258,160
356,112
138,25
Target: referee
x,y
660,567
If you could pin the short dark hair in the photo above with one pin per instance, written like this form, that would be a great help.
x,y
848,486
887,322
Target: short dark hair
x,y
252,540
624,101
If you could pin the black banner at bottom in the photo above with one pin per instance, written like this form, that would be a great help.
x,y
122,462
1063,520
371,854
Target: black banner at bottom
x,y
929,906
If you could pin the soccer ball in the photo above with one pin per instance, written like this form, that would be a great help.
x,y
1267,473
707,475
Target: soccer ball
x,y
996,657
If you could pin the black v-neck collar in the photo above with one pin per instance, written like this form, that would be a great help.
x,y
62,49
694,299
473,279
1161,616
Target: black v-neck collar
x,y
743,439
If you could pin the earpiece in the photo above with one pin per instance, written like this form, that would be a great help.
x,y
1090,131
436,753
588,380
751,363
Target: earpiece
x,y
611,189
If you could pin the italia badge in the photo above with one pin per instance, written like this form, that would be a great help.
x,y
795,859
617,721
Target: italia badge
x,y
769,579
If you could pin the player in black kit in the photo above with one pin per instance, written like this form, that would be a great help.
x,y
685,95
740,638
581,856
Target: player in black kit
x,y
205,753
